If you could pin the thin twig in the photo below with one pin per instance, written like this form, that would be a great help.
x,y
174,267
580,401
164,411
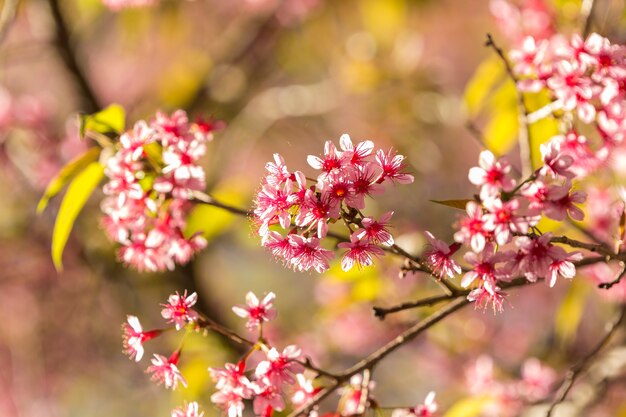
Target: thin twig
x,y
525,147
67,51
610,284
581,366
381,312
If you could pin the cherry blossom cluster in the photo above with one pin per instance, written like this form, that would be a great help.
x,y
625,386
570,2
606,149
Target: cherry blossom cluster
x,y
585,79
507,398
500,230
277,375
179,312
290,201
151,179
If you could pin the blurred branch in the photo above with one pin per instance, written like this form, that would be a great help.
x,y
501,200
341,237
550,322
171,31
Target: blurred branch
x,y
67,51
581,366
7,17
525,148
587,10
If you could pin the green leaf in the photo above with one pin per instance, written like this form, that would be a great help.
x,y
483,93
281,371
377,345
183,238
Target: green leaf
x,y
110,120
570,311
488,74
468,407
75,198
67,173
457,204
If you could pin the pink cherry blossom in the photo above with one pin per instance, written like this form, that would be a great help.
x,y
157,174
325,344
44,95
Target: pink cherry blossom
x,y
308,254
376,230
392,166
134,337
537,380
178,309
492,175
164,371
279,367
257,312
471,229
360,253
438,257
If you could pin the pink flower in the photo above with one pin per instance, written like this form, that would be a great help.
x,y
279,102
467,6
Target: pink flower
x,y
256,311
438,257
556,163
267,399
277,171
360,252
332,160
376,230
392,166
134,338
279,368
308,254
188,410
164,371
472,230
483,297
560,202
502,219
358,153
484,268
562,265
304,391
231,378
428,408
178,309
491,175
279,246
537,380
231,401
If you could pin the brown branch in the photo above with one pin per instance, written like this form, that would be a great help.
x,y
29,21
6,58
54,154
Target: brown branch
x,y
525,148
67,51
373,359
381,312
592,247
581,366
610,284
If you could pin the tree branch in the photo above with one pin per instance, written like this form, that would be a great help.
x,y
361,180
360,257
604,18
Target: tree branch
x,y
581,366
525,148
67,51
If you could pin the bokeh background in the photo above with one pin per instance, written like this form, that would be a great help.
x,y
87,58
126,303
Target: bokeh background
x,y
285,76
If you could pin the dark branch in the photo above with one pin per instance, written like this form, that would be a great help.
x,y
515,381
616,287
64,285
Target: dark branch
x,y
67,51
584,363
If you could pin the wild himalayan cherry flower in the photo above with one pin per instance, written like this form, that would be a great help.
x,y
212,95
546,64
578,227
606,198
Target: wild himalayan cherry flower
x,y
306,207
492,175
352,395
484,268
502,219
256,311
134,338
304,391
471,229
188,410
267,399
164,371
483,296
359,253
537,379
561,201
555,162
279,367
439,258
147,201
376,230
178,309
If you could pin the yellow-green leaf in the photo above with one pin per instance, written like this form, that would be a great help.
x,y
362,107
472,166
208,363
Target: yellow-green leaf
x,y
457,204
110,120
487,75
468,407
75,198
69,171
570,311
